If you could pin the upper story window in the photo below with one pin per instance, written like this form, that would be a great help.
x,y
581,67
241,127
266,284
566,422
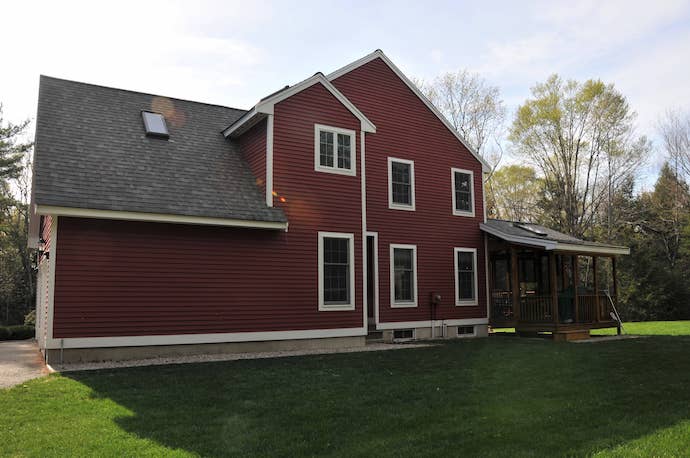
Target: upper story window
x,y
400,184
336,271
334,150
403,259
465,276
463,192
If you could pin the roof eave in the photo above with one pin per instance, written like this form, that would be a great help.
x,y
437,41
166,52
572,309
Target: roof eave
x,y
552,245
158,217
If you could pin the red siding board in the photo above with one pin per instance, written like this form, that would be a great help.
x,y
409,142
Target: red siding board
x,y
118,278
253,147
407,129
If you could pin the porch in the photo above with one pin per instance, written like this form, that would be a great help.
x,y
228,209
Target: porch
x,y
543,281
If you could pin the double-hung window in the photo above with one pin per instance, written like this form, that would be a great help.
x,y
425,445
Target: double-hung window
x,y
334,150
465,276
336,271
400,184
403,259
463,192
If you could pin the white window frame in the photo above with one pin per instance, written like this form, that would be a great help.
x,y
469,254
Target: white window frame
x,y
352,171
475,300
323,307
396,206
402,304
457,212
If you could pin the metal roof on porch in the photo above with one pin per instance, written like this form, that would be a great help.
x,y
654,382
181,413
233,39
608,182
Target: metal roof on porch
x,y
546,238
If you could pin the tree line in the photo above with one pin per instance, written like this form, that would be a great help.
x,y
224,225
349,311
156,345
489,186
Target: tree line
x,y
576,165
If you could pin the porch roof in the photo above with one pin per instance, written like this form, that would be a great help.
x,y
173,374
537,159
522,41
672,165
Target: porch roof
x,y
546,238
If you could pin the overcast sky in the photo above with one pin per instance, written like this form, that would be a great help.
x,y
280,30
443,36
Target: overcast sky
x,y
233,53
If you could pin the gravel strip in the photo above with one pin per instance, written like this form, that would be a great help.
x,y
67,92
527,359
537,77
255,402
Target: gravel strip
x,y
229,357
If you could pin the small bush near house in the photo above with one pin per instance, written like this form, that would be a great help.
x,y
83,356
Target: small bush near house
x,y
20,332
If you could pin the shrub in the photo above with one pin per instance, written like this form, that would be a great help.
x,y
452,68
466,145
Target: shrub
x,y
30,318
20,332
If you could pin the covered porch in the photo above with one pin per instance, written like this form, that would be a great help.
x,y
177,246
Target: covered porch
x,y
541,280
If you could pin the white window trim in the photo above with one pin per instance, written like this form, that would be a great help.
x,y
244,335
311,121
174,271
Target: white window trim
x,y
352,171
457,212
404,304
323,307
465,302
392,205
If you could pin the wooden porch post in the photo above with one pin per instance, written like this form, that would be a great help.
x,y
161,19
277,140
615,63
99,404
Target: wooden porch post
x,y
576,282
596,288
615,277
553,286
514,285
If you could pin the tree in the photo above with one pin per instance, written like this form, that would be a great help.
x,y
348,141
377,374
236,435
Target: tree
x,y
674,128
581,139
513,193
472,106
12,152
17,275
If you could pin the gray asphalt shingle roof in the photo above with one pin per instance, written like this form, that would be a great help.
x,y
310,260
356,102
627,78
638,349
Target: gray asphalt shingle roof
x,y
92,152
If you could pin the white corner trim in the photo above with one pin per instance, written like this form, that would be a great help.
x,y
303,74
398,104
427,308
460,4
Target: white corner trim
x,y
156,217
428,323
376,275
352,171
365,270
51,276
269,161
395,206
323,307
183,339
379,54
457,212
267,105
403,304
486,275
475,300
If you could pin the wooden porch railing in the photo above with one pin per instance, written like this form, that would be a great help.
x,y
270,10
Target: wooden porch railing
x,y
536,309
591,308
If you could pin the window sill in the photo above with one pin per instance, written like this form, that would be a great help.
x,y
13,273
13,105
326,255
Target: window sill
x,y
472,303
401,305
463,213
409,208
336,307
337,171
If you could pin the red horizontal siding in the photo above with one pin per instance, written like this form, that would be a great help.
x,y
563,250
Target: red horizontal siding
x,y
119,278
253,146
407,129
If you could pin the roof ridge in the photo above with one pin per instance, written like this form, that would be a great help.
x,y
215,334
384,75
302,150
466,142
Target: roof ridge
x,y
129,91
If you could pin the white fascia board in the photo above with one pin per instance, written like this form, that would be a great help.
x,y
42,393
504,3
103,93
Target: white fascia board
x,y
157,217
267,106
612,250
379,54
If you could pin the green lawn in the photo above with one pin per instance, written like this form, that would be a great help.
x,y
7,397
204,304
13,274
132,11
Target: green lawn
x,y
646,328
500,396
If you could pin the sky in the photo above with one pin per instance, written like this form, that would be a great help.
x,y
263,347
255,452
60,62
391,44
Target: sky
x,y
233,53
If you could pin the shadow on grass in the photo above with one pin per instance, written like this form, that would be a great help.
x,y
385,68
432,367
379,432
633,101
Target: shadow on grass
x,y
485,397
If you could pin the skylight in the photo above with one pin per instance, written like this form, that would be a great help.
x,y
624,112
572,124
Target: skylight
x,y
155,126
532,229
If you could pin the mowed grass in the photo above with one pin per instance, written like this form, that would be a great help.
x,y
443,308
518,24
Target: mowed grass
x,y
499,396
645,328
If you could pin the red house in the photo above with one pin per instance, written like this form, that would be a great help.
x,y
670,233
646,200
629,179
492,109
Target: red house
x,y
340,207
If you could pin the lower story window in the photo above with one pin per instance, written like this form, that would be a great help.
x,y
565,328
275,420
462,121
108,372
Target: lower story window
x,y
403,259
465,276
336,271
